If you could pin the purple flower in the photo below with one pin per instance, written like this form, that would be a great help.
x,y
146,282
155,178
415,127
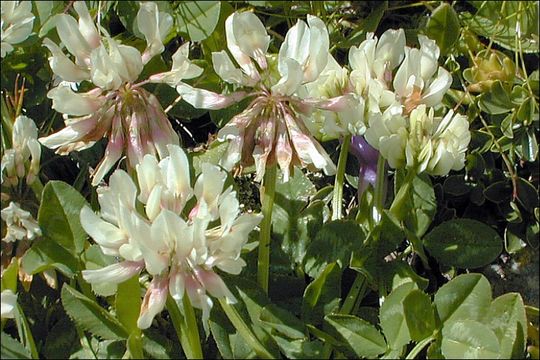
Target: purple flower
x,y
367,158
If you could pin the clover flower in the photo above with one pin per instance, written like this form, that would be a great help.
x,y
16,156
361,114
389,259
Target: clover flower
x,y
17,22
420,141
270,130
16,161
179,247
8,304
20,224
117,107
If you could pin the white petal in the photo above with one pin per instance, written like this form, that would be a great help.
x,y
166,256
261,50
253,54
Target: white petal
x,y
9,304
68,102
115,273
295,46
178,180
204,99
154,25
62,66
291,79
104,233
86,24
71,37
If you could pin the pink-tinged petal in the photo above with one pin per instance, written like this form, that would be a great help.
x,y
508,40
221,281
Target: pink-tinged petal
x,y
114,274
113,152
162,132
153,302
204,99
68,102
214,284
338,103
264,141
308,150
137,138
284,151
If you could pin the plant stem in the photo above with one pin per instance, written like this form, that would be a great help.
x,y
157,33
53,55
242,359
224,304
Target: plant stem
x,y
380,189
268,192
355,294
244,330
25,334
340,175
402,196
178,323
192,329
419,347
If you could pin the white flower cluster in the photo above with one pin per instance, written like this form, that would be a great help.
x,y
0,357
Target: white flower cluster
x,y
270,130
387,83
180,252
20,224
16,161
117,108
17,22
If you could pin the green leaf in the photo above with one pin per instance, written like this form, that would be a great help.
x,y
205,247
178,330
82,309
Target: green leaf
x,y
507,318
424,205
12,349
397,273
322,296
300,348
335,241
211,155
443,27
527,194
90,316
10,276
419,314
469,339
282,321
46,254
360,336
59,216
464,243
128,303
467,296
392,317
497,101
293,224
197,19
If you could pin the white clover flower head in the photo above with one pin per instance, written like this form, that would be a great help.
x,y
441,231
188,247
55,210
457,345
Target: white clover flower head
x,y
421,141
117,108
270,130
21,225
180,248
24,156
8,304
420,79
17,22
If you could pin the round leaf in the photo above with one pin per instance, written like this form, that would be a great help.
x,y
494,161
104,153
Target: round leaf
x,y
469,339
464,243
198,19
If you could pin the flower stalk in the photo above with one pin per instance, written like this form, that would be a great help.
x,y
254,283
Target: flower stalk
x,y
268,193
340,175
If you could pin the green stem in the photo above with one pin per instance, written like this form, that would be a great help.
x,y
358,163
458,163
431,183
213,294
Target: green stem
x,y
244,330
419,347
192,329
268,192
25,334
37,187
355,294
378,200
178,323
340,175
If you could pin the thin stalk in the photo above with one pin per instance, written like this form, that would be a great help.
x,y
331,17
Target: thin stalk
x,y
37,188
268,192
340,175
402,196
192,329
356,293
178,323
25,334
244,330
419,347
380,188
